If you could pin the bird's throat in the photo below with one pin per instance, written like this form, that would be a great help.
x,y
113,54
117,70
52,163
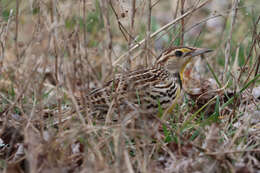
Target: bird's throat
x,y
183,68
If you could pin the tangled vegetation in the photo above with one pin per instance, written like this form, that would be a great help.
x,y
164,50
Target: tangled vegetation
x,y
55,51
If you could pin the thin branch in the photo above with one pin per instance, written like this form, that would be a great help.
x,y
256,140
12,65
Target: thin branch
x,y
231,151
108,31
182,22
258,64
148,32
154,4
130,40
120,25
53,16
254,40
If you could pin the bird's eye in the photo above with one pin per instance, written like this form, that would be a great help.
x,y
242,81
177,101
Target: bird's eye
x,y
178,53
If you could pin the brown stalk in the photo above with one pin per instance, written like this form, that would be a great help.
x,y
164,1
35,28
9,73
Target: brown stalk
x,y
131,33
255,38
147,45
109,35
53,16
154,4
17,29
85,45
3,36
120,25
257,66
84,25
175,12
74,101
232,151
233,14
182,23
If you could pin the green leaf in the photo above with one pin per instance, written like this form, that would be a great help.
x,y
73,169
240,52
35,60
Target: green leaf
x,y
138,97
214,74
194,135
6,14
167,134
160,111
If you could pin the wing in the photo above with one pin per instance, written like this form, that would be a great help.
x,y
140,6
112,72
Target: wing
x,y
143,87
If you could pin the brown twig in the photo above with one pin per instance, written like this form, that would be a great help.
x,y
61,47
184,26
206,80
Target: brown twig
x,y
85,44
255,38
182,23
258,65
154,4
74,101
130,40
231,151
120,25
148,32
53,14
108,31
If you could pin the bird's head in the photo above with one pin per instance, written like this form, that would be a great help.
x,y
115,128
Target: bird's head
x,y
175,59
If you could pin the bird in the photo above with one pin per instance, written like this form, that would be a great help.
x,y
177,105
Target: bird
x,y
152,89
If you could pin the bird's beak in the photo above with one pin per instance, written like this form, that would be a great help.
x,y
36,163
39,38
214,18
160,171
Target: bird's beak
x,y
200,51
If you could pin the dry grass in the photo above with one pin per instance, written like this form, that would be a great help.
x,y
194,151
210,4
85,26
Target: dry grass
x,y
53,50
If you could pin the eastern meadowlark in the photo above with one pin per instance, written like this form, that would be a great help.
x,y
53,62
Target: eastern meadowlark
x,y
153,88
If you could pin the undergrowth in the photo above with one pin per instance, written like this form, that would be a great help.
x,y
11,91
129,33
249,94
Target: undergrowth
x,y
52,51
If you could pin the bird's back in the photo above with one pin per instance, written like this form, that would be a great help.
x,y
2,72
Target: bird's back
x,y
147,88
